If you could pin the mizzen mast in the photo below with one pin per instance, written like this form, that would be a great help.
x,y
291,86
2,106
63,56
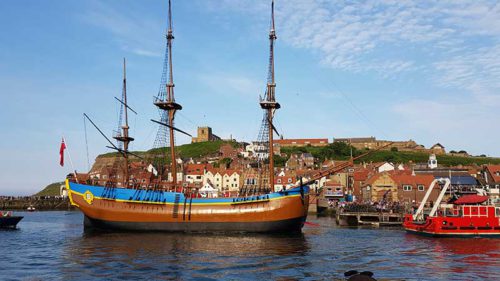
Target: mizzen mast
x,y
123,136
166,103
269,104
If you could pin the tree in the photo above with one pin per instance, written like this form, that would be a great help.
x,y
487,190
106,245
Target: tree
x,y
279,161
226,162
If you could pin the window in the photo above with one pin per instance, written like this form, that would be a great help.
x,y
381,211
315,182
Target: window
x,y
420,187
279,180
407,187
289,180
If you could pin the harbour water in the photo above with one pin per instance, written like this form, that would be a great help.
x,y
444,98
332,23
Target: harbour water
x,y
53,246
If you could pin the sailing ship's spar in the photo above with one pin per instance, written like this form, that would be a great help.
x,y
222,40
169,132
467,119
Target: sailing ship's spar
x,y
166,100
163,208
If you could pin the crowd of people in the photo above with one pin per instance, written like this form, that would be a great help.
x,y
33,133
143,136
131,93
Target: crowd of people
x,y
379,206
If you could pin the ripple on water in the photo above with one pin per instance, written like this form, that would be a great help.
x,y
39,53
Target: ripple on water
x,y
53,246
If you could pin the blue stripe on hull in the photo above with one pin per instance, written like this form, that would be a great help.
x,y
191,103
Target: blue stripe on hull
x,y
165,197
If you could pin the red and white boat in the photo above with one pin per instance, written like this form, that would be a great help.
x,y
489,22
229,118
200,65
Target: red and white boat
x,y
468,216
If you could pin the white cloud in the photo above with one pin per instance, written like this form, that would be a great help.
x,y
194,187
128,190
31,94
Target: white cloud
x,y
381,35
478,72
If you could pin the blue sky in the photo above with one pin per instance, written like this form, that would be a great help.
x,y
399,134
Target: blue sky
x,y
423,70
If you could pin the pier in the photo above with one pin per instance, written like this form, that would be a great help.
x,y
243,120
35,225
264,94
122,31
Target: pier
x,y
39,203
369,218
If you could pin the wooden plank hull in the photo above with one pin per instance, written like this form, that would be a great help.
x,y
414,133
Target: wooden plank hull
x,y
290,225
128,209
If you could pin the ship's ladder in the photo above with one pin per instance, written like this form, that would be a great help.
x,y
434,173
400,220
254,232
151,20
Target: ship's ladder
x,y
175,212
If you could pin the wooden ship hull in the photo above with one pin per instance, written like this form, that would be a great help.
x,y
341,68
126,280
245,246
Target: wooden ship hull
x,y
142,210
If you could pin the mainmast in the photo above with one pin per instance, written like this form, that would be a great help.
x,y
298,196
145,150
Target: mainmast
x,y
124,136
269,103
167,103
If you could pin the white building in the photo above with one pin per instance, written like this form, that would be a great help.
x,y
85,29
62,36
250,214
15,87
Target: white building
x,y
432,163
256,150
385,167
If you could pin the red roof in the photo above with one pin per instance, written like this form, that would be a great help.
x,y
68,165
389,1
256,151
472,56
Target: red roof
x,y
197,169
360,175
470,199
414,180
301,141
494,172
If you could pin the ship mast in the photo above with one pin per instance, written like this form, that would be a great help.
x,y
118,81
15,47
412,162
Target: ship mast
x,y
124,136
168,104
269,103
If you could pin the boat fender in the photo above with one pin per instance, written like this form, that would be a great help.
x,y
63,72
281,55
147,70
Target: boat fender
x,y
444,222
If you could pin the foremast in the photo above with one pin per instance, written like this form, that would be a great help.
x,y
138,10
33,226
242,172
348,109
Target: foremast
x,y
167,102
123,136
269,104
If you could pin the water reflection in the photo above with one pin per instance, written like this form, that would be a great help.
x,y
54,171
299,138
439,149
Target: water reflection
x,y
180,255
447,257
53,246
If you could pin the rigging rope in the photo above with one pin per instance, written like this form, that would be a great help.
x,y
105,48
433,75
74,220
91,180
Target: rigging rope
x,y
86,143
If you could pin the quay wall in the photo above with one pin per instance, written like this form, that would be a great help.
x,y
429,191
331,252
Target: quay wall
x,y
41,203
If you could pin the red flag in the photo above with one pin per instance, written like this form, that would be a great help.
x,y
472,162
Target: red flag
x,y
61,152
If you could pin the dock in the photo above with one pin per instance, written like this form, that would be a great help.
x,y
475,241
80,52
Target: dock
x,y
369,218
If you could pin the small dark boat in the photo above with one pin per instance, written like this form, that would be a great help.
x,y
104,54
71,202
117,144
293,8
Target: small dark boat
x,y
7,220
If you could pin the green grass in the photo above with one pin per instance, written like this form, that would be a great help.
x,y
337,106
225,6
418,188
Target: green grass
x,y
341,151
194,150
50,190
336,151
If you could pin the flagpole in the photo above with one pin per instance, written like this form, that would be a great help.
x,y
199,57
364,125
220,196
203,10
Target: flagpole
x,y
70,160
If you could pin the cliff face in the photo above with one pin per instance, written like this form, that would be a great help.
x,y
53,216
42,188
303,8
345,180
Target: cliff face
x,y
102,162
198,151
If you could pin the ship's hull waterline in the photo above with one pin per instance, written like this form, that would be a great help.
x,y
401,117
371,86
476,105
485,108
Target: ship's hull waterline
x,y
142,210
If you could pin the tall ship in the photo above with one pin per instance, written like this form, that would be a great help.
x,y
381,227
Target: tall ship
x,y
470,215
168,205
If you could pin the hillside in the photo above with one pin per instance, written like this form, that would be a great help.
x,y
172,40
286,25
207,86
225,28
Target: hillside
x,y
50,190
342,151
336,151
191,150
